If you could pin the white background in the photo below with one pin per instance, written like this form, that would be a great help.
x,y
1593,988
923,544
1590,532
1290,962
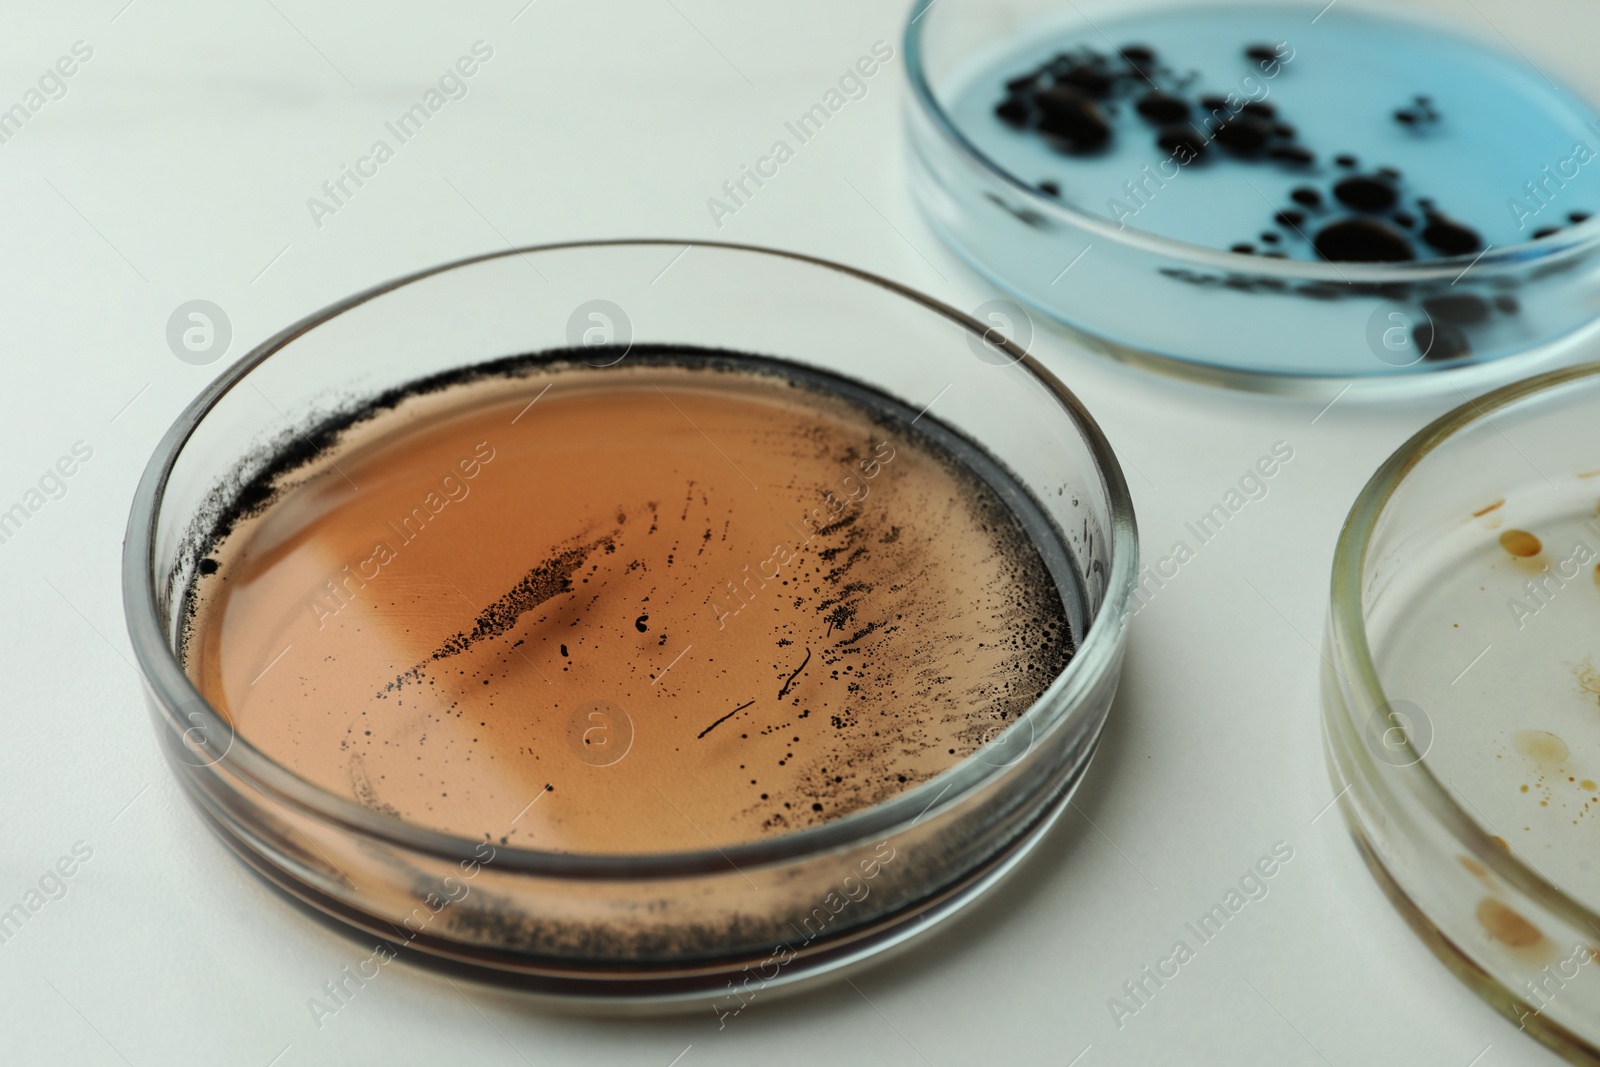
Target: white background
x,y
178,166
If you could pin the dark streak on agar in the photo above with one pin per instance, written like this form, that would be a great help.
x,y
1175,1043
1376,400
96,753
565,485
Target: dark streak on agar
x,y
549,579
785,690
724,719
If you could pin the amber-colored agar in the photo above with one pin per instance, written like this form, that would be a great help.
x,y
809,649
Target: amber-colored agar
x,y
635,611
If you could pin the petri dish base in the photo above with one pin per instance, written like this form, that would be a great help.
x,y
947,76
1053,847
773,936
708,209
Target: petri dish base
x,y
1238,193
1461,702
703,912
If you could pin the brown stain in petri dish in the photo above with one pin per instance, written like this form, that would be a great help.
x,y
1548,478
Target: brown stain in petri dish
x,y
1481,512
1506,926
661,609
1541,746
1588,678
1520,543
1478,871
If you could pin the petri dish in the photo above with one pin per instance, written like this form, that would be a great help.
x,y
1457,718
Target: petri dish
x,y
1262,194
290,707
1461,700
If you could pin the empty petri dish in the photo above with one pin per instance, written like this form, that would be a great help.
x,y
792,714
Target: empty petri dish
x,y
1461,697
1261,193
606,619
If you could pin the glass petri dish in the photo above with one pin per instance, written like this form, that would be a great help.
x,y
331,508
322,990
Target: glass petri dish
x,y
672,924
1460,700
1262,194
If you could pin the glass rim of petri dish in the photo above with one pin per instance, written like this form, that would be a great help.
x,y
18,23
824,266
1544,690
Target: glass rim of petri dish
x,y
1569,245
1584,234
1097,654
1397,795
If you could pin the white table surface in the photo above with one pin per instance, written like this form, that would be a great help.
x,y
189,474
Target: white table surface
x,y
177,166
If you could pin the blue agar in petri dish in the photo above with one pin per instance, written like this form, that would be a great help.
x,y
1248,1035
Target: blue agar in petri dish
x,y
1361,195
